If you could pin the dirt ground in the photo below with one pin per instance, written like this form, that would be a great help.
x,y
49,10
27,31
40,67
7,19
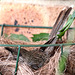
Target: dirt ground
x,y
46,17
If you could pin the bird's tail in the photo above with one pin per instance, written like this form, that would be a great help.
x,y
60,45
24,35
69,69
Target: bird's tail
x,y
57,26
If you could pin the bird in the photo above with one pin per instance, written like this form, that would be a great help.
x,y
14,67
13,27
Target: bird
x,y
38,57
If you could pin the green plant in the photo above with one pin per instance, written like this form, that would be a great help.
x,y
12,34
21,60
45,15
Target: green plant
x,y
45,36
17,37
62,61
40,37
67,25
64,56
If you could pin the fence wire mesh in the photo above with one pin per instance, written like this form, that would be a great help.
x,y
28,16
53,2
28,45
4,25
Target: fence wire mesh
x,y
19,46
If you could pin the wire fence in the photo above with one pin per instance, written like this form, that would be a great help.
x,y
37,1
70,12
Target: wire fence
x,y
19,46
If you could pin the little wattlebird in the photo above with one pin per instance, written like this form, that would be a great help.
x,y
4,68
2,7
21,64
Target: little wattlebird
x,y
40,56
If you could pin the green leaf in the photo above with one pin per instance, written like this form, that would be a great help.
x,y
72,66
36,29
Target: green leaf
x,y
62,62
40,37
68,24
18,37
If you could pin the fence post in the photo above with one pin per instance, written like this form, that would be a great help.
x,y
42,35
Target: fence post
x,y
17,60
2,29
61,49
